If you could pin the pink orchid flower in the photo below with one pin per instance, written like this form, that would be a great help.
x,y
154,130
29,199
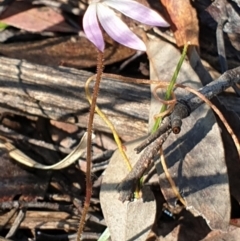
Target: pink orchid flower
x,y
101,11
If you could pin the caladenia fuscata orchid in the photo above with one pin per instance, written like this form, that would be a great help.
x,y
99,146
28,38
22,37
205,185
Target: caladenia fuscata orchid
x,y
101,12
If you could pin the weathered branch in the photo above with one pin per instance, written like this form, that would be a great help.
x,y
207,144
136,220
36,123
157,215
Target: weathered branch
x,y
58,93
191,102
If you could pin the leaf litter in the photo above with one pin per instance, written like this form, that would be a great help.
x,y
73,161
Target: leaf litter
x,y
128,220
200,176
25,16
191,176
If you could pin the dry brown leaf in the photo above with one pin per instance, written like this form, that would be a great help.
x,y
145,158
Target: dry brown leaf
x,y
233,234
195,157
186,227
76,52
183,19
34,19
128,220
66,127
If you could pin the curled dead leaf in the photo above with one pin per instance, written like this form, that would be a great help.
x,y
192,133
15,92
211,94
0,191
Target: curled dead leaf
x,y
183,20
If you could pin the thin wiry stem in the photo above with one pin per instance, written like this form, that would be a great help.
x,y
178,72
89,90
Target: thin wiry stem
x,y
109,124
168,176
89,144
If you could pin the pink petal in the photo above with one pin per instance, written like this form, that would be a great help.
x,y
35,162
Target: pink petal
x,y
91,27
117,29
137,12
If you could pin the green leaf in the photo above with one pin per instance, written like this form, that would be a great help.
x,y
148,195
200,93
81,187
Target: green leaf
x,y
170,87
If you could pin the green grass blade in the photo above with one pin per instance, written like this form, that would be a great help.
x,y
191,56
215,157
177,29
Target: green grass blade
x,y
170,87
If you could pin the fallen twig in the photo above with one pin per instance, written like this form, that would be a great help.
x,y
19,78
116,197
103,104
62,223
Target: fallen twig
x,y
181,110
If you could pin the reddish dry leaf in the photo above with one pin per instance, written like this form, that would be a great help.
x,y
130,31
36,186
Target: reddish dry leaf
x,y
34,19
235,222
66,127
62,133
183,19
76,52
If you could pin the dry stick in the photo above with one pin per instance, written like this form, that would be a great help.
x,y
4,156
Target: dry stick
x,y
221,117
171,104
165,125
182,109
20,217
89,144
215,109
128,185
186,105
36,205
218,113
8,218
191,102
